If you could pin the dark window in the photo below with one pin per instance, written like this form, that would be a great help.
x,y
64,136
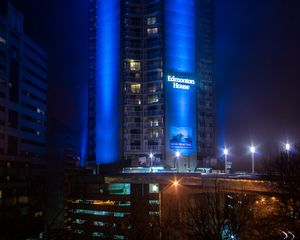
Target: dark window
x,y
2,68
34,85
13,119
2,54
28,94
27,129
14,71
34,74
12,145
137,120
32,119
135,143
38,144
135,131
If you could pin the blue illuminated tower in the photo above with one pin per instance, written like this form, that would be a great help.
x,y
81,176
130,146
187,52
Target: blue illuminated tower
x,y
151,84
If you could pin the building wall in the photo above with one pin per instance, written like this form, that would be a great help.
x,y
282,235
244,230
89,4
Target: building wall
x,y
23,91
206,93
133,109
112,206
180,83
23,110
143,112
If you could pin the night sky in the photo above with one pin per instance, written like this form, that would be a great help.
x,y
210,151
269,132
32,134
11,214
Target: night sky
x,y
257,68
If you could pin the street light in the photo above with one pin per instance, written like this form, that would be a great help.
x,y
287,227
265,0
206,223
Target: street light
x,y
287,147
151,157
252,150
225,154
175,183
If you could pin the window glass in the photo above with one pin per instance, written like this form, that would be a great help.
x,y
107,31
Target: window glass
x,y
153,99
152,31
135,88
134,66
153,188
151,20
119,188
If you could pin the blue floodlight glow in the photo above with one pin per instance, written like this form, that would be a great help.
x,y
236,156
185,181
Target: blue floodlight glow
x,y
180,67
180,35
108,82
83,146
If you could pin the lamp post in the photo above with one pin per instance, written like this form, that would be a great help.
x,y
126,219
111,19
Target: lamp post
x,y
151,162
252,150
287,149
225,151
177,159
175,184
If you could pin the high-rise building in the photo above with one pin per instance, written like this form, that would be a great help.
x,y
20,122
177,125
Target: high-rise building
x,y
23,96
151,82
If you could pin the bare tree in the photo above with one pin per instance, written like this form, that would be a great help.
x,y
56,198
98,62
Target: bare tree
x,y
285,173
217,215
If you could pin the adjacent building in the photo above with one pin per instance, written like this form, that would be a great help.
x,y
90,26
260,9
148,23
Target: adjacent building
x,y
148,206
151,83
23,97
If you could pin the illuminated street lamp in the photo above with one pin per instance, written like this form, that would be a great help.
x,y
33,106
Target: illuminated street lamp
x,y
175,183
287,147
225,151
151,157
252,150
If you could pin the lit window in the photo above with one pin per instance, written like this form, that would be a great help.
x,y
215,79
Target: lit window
x,y
152,31
38,214
78,231
151,20
79,221
2,40
134,66
0,194
99,213
40,111
154,134
119,188
100,224
154,123
119,214
153,213
153,188
97,234
153,99
135,88
119,237
154,202
125,204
